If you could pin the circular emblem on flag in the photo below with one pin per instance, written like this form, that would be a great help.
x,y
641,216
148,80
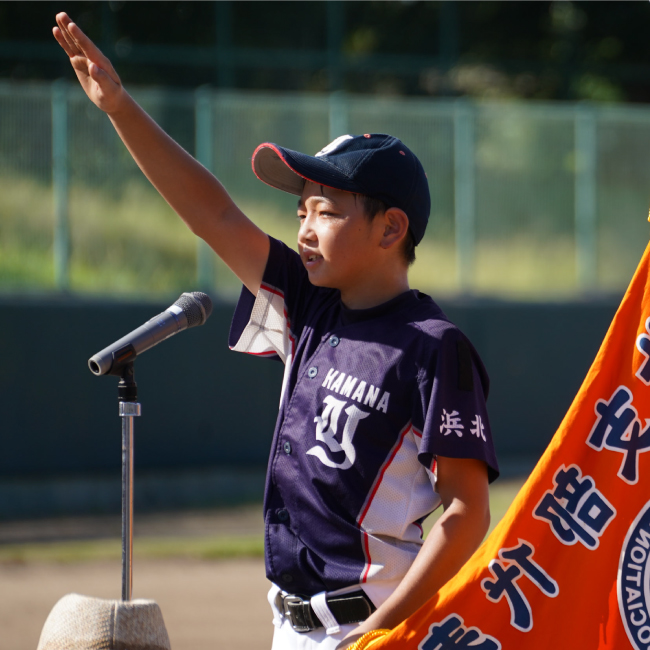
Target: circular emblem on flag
x,y
634,581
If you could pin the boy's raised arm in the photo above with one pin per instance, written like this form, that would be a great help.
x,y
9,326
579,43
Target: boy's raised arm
x,y
193,192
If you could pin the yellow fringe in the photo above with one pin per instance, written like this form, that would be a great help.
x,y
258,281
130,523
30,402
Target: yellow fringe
x,y
368,639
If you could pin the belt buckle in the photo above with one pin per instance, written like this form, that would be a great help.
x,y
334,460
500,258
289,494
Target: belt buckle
x,y
299,615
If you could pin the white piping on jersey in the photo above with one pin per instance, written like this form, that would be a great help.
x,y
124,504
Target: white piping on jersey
x,y
390,536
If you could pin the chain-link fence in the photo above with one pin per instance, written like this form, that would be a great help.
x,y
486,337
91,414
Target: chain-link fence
x,y
529,200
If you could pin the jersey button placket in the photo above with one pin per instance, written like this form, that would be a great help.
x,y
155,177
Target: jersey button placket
x,y
287,447
334,340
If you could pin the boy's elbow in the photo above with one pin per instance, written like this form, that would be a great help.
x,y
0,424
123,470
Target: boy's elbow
x,y
479,519
474,518
479,511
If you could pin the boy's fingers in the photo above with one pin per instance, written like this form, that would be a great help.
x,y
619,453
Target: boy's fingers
x,y
62,20
81,41
91,51
70,50
63,42
75,43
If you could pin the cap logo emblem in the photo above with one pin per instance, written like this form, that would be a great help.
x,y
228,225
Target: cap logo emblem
x,y
334,145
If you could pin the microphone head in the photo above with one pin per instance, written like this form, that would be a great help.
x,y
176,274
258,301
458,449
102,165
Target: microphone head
x,y
196,306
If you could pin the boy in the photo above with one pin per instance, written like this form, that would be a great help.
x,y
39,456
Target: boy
x,y
382,415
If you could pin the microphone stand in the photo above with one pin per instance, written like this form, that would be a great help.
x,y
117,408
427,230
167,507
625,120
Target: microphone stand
x,y
129,408
84,622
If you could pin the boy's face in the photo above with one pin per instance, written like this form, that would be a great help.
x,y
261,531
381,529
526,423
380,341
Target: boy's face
x,y
336,241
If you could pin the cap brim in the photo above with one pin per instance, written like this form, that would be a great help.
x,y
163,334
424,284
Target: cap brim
x,y
288,170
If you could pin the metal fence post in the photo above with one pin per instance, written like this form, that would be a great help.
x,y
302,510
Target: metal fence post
x,y
61,248
464,192
585,198
335,29
338,114
203,147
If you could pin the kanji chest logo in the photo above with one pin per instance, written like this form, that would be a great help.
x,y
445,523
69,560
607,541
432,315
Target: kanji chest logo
x,y
327,423
327,428
634,581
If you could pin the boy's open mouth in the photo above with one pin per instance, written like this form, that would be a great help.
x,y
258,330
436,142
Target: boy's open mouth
x,y
310,258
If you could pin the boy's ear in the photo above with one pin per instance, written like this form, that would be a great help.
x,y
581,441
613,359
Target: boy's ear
x,y
396,225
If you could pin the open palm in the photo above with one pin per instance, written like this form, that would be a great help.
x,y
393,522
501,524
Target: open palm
x,y
94,71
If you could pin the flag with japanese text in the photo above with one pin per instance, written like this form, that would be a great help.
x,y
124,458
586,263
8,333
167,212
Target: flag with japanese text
x,y
569,565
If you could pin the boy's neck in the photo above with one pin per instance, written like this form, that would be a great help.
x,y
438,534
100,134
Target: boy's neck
x,y
375,290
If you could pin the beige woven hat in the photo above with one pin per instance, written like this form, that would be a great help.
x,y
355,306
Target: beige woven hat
x,y
84,623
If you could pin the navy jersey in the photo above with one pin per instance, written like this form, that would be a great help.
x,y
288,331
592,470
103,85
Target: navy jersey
x,y
370,398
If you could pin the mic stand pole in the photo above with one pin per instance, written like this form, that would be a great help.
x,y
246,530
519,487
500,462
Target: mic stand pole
x,y
129,408
83,622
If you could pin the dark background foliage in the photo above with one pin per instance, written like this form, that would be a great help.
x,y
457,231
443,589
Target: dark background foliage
x,y
539,50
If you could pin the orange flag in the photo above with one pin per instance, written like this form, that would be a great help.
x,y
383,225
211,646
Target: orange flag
x,y
569,565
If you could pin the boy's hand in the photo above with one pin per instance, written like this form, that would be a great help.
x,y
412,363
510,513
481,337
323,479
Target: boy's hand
x,y
191,190
94,71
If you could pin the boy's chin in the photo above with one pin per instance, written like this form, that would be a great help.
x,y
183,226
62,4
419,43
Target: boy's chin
x,y
321,282
322,285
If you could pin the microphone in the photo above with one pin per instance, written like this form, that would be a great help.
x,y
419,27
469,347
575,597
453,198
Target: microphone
x,y
190,310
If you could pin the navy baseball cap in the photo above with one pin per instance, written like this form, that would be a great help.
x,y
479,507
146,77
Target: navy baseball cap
x,y
373,164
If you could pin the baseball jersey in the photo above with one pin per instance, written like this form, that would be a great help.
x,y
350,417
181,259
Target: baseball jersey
x,y
369,399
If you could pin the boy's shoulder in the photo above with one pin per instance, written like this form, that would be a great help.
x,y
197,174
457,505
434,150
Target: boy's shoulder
x,y
412,325
410,321
428,334
426,319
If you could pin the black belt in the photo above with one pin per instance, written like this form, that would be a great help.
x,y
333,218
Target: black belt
x,y
348,608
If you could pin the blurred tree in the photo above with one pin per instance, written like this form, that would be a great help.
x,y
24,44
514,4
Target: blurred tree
x,y
546,50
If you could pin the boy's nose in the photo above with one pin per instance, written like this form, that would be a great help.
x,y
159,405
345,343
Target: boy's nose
x,y
306,231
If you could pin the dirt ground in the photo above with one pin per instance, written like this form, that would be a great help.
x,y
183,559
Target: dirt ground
x,y
206,604
216,604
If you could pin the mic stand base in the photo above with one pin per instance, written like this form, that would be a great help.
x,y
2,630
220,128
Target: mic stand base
x,y
84,622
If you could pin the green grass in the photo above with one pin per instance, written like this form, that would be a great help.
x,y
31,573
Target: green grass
x,y
131,243
68,552
202,548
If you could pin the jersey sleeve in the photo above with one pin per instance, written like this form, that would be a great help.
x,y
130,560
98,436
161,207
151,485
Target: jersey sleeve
x,y
268,324
454,417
